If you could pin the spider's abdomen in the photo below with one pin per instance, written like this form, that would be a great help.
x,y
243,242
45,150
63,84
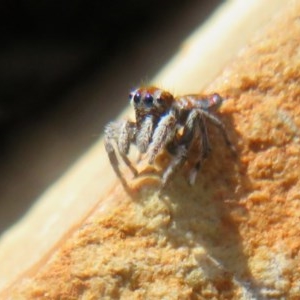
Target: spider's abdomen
x,y
194,101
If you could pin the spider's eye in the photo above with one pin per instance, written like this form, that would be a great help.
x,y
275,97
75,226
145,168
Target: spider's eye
x,y
137,98
148,100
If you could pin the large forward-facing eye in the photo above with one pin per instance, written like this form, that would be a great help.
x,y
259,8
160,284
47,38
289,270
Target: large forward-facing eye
x,y
149,100
137,98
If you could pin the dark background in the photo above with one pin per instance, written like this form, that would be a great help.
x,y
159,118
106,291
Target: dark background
x,y
65,70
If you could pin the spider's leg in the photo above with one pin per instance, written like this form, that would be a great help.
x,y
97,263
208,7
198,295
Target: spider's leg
x,y
111,135
129,165
201,140
178,160
125,138
163,134
190,131
205,145
145,133
121,133
214,120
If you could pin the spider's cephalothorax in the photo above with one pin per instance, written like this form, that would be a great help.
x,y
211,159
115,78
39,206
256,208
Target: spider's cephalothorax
x,y
164,122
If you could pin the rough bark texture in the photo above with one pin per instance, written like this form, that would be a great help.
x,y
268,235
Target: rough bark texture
x,y
235,235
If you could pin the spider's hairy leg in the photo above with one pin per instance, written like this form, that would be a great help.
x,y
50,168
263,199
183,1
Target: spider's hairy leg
x,y
126,137
145,133
121,133
190,131
199,122
196,127
214,120
163,134
109,138
178,160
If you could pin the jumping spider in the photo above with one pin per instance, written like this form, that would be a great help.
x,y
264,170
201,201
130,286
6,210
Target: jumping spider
x,y
177,124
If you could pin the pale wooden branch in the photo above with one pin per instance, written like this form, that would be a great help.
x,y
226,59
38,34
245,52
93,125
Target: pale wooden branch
x,y
232,236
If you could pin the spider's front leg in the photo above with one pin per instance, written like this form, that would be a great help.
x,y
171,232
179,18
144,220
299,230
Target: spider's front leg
x,y
163,134
122,133
145,133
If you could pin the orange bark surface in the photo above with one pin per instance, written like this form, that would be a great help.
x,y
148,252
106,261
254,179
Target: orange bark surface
x,y
235,234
